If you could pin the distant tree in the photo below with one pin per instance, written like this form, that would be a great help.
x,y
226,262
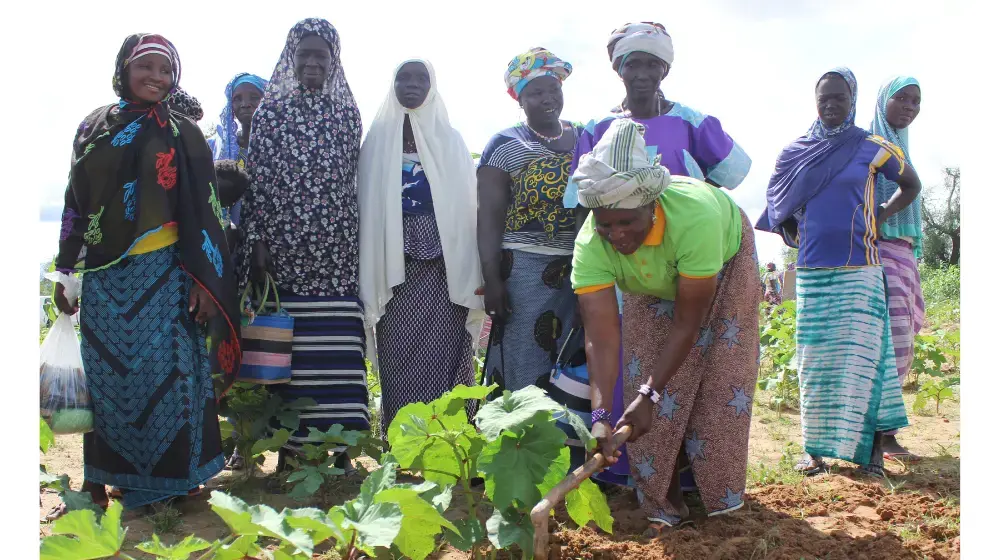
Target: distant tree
x,y
789,255
941,209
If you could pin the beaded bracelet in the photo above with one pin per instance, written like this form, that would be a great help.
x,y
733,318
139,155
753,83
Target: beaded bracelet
x,y
600,415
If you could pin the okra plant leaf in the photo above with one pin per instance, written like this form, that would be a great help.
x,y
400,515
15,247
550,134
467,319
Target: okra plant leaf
x,y
470,532
180,551
45,436
272,443
513,410
376,524
315,522
78,536
516,464
508,527
586,503
421,524
579,426
243,547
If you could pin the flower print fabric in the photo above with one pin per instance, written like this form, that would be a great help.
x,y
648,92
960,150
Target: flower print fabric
x,y
303,161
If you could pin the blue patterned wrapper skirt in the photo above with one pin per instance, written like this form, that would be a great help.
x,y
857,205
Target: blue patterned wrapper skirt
x,y
156,429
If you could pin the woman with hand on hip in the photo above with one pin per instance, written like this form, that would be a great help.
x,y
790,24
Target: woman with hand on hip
x,y
821,199
901,235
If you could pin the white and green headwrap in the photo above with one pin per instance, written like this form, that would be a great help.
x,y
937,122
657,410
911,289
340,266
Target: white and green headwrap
x,y
620,172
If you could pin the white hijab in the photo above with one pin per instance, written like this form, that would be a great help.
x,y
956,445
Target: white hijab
x,y
452,176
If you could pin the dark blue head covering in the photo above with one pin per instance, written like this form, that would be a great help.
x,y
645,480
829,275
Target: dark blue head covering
x,y
227,145
806,166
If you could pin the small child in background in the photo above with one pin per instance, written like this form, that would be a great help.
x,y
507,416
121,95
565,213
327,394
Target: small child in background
x,y
233,182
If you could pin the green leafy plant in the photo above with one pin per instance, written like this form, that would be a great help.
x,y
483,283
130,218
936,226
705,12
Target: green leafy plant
x,y
518,451
778,370
405,519
938,390
60,484
79,535
249,409
936,358
317,466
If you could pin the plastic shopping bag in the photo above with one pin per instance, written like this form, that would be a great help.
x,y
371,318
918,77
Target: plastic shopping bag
x,y
65,401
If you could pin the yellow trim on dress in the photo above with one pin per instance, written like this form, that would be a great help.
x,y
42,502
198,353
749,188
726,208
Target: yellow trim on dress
x,y
697,277
165,237
592,289
655,236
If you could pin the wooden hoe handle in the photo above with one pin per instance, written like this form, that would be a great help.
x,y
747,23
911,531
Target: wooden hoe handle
x,y
540,513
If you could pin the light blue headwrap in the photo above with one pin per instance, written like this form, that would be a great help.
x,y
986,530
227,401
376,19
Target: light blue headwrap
x,y
820,131
227,144
906,223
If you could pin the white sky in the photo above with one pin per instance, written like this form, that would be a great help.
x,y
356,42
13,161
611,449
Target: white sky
x,y
753,68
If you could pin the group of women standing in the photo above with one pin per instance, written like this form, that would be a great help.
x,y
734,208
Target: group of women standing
x,y
397,249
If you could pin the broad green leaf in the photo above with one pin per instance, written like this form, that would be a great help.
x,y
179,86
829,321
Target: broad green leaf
x,y
508,527
310,481
77,501
336,434
273,524
421,524
288,419
52,482
281,554
516,464
301,403
477,392
180,551
470,532
272,443
377,524
440,496
314,522
227,429
586,503
418,437
556,473
579,427
92,540
45,436
513,410
234,512
239,549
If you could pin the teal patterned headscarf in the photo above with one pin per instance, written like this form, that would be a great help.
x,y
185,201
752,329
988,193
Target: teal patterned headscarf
x,y
906,223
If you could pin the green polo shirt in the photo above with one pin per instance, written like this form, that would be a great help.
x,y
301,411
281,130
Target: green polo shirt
x,y
698,228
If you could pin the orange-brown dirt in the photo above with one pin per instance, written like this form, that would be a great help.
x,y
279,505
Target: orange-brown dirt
x,y
914,514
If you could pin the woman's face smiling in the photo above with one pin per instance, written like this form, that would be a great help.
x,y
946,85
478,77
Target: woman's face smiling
x,y
150,78
542,100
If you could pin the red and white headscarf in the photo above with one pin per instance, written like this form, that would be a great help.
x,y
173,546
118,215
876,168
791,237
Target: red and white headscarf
x,y
139,45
